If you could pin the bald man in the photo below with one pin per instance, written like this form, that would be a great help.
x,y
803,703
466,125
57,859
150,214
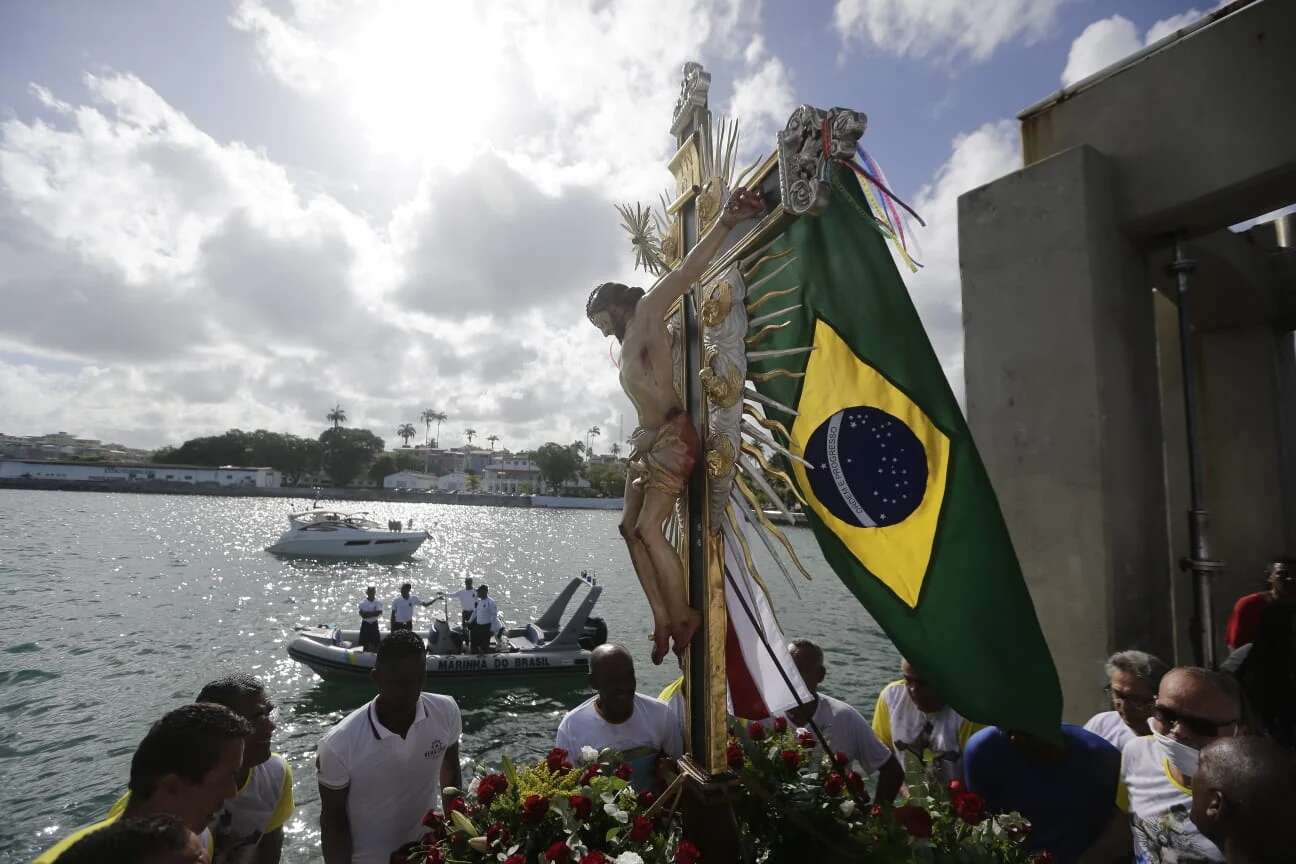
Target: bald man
x,y
1193,708
639,727
911,717
1243,794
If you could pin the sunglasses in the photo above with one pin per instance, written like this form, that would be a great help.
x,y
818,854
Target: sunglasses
x,y
1168,717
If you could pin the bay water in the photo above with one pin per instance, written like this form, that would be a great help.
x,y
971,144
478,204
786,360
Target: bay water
x,y
118,607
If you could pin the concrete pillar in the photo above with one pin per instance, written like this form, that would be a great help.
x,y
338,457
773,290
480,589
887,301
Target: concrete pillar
x,y
1061,383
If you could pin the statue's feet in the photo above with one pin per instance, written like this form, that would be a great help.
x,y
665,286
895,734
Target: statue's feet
x,y
683,628
661,643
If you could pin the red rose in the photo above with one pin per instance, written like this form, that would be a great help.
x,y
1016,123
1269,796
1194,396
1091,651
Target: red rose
x,y
791,758
734,755
534,808
646,799
756,731
876,811
970,807
595,857
955,787
558,852
806,739
557,760
431,856
497,834
623,771
841,760
640,829
686,853
1045,857
490,786
515,859
834,784
433,820
580,805
915,820
590,773
456,804
855,783
780,724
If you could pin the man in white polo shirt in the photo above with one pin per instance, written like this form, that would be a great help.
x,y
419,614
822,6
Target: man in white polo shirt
x,y
912,717
639,727
467,601
397,752
402,614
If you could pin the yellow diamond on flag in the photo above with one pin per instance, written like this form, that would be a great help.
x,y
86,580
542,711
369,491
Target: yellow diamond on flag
x,y
880,464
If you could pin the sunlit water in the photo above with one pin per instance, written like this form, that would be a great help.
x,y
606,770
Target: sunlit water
x,y
119,607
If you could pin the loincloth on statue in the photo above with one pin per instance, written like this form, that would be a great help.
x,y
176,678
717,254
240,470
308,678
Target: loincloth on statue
x,y
663,458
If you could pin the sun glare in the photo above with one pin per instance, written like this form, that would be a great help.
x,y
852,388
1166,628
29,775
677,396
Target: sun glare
x,y
421,78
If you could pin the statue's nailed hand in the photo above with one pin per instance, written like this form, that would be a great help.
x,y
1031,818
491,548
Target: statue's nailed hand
x,y
743,204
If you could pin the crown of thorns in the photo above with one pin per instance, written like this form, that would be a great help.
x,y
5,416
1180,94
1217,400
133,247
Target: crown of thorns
x,y
610,294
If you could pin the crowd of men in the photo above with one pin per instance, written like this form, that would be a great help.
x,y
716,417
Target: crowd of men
x,y
1188,766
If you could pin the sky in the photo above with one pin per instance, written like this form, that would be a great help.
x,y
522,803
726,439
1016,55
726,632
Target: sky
x,y
239,213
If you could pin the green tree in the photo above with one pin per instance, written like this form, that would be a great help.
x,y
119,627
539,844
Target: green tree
x,y
470,434
428,417
492,439
607,481
348,453
405,432
615,449
594,432
381,467
473,482
337,416
557,464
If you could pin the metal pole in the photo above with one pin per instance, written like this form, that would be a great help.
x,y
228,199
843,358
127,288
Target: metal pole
x,y
1199,560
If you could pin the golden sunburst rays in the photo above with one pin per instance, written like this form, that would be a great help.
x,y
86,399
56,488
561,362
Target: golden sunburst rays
x,y
778,473
751,393
721,147
753,510
643,226
762,377
768,330
734,535
771,425
748,269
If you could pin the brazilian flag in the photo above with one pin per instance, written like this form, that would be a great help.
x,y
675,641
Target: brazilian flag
x,y
899,500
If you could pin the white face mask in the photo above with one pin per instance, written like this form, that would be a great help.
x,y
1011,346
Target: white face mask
x,y
1181,756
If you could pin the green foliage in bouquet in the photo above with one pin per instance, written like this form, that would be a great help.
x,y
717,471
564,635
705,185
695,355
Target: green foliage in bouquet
x,y
552,812
796,804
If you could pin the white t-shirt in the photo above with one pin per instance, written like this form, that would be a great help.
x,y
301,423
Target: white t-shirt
x,y
262,805
467,598
403,608
393,781
650,729
848,732
1109,726
370,610
939,736
486,612
1159,809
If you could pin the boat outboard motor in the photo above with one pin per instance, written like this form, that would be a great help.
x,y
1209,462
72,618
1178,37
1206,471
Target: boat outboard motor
x,y
441,640
594,634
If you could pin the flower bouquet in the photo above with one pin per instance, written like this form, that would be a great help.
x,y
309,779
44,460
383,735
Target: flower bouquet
x,y
796,804
553,812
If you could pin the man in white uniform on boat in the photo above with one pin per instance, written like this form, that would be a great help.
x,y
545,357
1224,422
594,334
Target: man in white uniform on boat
x,y
467,601
485,621
402,614
370,615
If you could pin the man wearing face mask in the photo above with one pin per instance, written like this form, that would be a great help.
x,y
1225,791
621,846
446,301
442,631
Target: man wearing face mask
x,y
1193,707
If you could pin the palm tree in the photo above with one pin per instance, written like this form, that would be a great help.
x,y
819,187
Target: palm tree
x,y
427,417
439,417
592,431
470,434
337,416
492,439
406,432
616,449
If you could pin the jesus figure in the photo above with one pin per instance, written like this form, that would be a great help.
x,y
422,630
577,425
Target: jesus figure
x,y
664,446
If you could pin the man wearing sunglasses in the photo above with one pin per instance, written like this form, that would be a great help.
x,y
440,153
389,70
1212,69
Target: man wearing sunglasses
x,y
1193,707
1244,622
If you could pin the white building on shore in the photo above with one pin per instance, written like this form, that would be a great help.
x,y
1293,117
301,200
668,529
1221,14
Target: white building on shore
x,y
123,472
413,480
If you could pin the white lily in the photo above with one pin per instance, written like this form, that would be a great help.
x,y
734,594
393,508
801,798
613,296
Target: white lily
x,y
588,755
628,858
847,807
616,812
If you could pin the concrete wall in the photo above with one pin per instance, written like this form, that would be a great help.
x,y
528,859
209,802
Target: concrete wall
x,y
1201,134
1060,373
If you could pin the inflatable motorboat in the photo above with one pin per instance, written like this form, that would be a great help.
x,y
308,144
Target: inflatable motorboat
x,y
329,534
544,647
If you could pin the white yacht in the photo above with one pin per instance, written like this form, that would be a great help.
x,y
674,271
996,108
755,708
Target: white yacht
x,y
329,534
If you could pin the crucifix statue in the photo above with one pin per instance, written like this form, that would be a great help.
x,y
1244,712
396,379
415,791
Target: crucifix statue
x,y
665,445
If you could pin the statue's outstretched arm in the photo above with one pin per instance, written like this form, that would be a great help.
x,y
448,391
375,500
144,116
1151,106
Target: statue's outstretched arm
x,y
743,204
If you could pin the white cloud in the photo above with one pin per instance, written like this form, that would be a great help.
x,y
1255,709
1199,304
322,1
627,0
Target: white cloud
x,y
976,158
762,102
162,283
943,29
1109,40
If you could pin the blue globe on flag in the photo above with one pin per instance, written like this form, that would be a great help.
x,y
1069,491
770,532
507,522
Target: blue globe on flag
x,y
870,468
